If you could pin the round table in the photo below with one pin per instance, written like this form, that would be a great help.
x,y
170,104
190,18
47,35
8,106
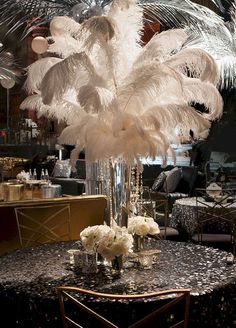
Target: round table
x,y
184,214
29,277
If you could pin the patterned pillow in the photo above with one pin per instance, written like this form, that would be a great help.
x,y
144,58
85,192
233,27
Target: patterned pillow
x,y
159,182
172,179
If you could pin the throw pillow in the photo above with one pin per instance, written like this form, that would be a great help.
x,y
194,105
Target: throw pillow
x,y
172,179
159,182
62,169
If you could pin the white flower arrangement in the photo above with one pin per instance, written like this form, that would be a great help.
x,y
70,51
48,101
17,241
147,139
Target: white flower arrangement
x,y
142,226
107,241
23,176
91,236
117,242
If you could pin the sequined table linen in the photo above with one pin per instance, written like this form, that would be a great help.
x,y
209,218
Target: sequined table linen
x,y
184,215
29,277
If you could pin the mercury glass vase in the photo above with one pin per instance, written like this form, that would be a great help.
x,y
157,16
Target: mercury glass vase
x,y
111,178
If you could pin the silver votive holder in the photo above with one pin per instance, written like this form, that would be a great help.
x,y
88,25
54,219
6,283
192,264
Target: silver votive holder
x,y
85,261
148,257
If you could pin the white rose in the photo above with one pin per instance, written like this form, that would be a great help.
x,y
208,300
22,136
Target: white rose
x,y
154,229
142,229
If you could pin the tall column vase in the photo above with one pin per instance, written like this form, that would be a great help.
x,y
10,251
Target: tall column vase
x,y
120,181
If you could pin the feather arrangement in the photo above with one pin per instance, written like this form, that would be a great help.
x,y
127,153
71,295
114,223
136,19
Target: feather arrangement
x,y
119,98
207,27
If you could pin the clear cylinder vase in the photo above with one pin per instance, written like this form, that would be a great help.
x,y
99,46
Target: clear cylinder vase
x,y
120,180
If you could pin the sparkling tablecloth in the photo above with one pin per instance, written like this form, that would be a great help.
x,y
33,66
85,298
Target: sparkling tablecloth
x,y
29,277
184,214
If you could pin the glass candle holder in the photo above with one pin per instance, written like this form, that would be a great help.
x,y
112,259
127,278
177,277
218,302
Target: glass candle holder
x,y
146,258
89,262
76,258
85,261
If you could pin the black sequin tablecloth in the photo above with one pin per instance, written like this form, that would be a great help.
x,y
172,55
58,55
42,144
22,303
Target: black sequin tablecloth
x,y
184,215
29,277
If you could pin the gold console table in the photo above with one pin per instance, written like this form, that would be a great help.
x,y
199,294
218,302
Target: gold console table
x,y
84,211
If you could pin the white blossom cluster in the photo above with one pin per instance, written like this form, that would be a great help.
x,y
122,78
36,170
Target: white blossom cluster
x,y
142,226
23,176
107,241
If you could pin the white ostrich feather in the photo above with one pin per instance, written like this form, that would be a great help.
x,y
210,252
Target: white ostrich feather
x,y
69,135
123,134
128,16
61,25
204,93
74,70
101,31
163,45
180,13
74,155
147,85
33,102
227,66
67,111
64,45
99,28
36,72
219,41
94,99
196,62
172,116
70,112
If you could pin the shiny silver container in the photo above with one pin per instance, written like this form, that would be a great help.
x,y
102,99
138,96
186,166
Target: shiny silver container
x,y
51,191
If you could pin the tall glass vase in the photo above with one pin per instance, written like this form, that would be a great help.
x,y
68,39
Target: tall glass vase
x,y
120,186
113,179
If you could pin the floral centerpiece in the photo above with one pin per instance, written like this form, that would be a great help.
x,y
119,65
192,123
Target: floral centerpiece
x,y
110,242
92,235
143,225
115,243
140,227
107,241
